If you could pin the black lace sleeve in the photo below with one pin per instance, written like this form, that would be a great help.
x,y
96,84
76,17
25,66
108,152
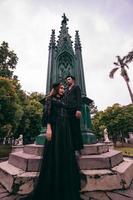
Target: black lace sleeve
x,y
59,103
46,118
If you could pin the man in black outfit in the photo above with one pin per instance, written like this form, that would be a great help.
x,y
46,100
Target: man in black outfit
x,y
73,101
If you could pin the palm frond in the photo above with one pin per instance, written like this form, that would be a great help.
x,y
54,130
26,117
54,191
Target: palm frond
x,y
115,63
129,57
111,74
118,58
126,65
124,59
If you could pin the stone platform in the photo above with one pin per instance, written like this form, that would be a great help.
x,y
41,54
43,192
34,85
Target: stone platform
x,y
104,168
98,195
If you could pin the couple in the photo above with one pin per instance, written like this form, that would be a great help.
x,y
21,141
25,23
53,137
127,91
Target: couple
x,y
59,177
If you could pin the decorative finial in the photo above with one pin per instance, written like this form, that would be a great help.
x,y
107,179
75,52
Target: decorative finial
x,y
65,19
52,39
77,41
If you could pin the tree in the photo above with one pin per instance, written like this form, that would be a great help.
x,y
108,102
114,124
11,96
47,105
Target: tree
x,y
122,65
117,119
93,109
31,121
36,96
20,113
8,61
10,108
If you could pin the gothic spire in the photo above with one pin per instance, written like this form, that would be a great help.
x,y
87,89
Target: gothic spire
x,y
52,39
77,41
64,41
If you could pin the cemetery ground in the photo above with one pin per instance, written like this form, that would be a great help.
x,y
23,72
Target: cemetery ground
x,y
4,151
127,149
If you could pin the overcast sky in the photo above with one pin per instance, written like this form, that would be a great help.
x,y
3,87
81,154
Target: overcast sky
x,y
105,28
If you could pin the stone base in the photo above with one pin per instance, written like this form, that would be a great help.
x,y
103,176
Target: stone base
x,y
103,161
89,138
94,149
34,149
104,169
16,180
118,177
40,139
21,182
110,145
17,148
24,161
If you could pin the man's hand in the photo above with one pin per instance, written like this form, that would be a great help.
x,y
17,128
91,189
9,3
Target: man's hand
x,y
78,114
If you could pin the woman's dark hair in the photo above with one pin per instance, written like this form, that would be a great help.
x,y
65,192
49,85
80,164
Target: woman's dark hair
x,y
54,89
56,85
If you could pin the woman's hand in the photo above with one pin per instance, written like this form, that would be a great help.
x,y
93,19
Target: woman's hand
x,y
48,132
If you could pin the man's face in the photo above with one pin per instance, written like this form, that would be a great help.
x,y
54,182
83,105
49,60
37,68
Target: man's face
x,y
69,81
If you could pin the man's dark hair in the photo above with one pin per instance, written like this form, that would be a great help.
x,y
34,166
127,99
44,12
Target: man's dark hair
x,y
71,76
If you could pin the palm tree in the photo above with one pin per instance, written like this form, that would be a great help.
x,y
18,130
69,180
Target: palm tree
x,y
122,65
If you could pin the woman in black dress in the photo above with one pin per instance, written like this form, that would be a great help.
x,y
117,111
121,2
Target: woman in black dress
x,y
59,177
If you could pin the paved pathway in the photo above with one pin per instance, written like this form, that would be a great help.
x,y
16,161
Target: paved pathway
x,y
114,195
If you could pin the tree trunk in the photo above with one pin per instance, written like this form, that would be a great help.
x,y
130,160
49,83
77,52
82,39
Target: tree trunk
x,y
130,91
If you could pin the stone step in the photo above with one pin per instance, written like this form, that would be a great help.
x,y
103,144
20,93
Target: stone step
x,y
103,161
16,180
17,148
33,149
24,161
29,162
118,177
98,148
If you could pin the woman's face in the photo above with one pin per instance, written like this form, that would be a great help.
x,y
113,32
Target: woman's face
x,y
61,90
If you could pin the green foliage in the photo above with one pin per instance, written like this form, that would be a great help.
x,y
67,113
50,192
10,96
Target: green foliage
x,y
10,109
117,119
127,151
20,113
31,122
8,61
5,150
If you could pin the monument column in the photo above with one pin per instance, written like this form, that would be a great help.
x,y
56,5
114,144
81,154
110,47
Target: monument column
x,y
65,60
79,63
50,69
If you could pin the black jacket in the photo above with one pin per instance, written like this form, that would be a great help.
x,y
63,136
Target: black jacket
x,y
73,98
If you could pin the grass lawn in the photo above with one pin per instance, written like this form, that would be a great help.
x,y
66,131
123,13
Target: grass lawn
x,y
127,151
5,150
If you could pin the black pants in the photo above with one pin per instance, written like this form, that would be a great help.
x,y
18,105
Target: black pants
x,y
75,132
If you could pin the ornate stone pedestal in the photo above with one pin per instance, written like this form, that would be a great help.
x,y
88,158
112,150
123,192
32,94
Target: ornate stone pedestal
x,y
104,169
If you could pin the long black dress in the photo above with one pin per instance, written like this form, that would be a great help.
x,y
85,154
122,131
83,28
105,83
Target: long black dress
x,y
59,177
